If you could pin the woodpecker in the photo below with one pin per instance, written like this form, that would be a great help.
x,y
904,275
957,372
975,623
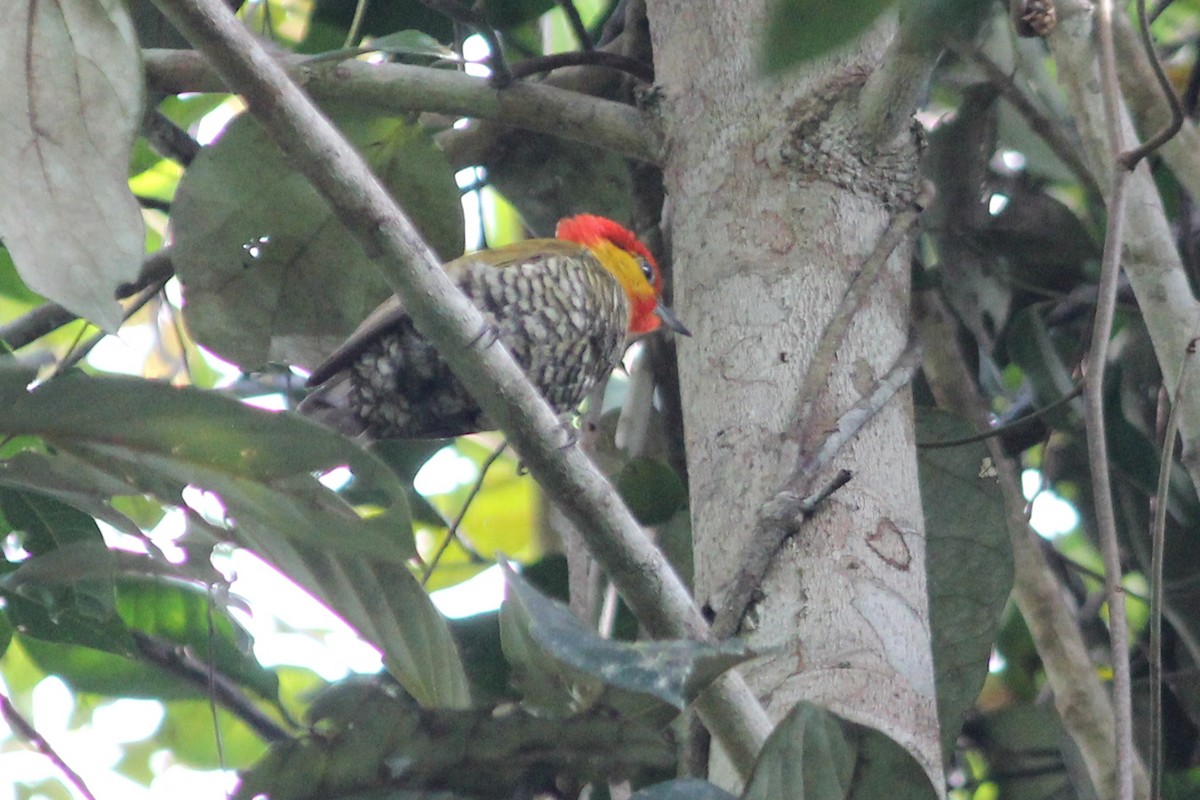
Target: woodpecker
x,y
565,308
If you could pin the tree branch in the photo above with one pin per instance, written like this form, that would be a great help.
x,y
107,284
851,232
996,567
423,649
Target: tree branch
x,y
1093,402
1150,258
179,662
590,58
1082,702
443,315
403,88
50,317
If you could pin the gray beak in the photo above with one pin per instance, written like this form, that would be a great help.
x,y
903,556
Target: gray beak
x,y
670,320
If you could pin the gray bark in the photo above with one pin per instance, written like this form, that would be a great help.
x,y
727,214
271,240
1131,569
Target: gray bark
x,y
773,207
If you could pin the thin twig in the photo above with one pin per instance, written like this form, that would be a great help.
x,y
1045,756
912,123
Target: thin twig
x,y
49,317
1007,427
1083,704
452,529
591,58
501,76
1159,9
779,519
360,13
168,139
1157,541
781,516
23,729
1093,399
78,352
211,665
821,363
1130,158
577,26
859,414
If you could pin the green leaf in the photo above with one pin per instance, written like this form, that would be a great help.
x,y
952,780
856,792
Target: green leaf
x,y
138,598
153,29
98,671
67,216
413,43
929,26
548,178
6,633
674,672
815,755
81,612
331,21
1024,746
808,757
262,258
187,733
651,489
478,640
72,481
157,437
801,30
968,563
507,13
388,608
189,616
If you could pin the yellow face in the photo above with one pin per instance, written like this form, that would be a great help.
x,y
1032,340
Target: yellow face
x,y
633,273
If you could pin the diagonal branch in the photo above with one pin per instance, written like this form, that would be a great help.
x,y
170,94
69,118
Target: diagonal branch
x,y
442,314
23,729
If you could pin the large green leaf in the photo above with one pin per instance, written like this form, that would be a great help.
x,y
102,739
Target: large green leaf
x,y
388,607
261,464
814,755
1044,360
189,616
551,641
807,757
165,617
651,489
260,254
547,178
968,563
74,482
72,99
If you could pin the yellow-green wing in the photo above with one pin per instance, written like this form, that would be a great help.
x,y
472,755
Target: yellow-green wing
x,y
392,310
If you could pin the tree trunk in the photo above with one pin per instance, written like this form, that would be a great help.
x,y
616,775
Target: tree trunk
x,y
773,207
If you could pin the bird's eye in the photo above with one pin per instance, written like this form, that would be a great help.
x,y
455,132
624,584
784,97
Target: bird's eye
x,y
647,270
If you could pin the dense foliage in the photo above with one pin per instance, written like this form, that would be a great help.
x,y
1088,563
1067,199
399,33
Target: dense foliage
x,y
128,504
